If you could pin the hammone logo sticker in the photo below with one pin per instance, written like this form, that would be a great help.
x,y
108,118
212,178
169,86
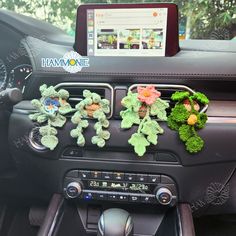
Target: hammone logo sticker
x,y
71,62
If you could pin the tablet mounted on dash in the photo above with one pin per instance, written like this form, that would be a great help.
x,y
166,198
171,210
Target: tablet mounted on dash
x,y
127,30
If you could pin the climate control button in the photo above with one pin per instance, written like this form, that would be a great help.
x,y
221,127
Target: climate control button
x,y
164,196
74,189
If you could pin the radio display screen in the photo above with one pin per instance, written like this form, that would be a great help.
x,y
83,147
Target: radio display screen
x,y
121,186
126,32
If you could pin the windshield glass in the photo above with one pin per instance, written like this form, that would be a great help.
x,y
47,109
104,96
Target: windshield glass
x,y
200,19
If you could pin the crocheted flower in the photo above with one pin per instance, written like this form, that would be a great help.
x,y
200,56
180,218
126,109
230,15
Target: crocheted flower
x,y
51,105
148,94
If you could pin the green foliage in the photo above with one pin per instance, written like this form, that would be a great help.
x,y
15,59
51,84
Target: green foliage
x,y
148,129
51,108
102,108
179,120
200,97
129,118
185,132
194,144
179,96
139,142
179,113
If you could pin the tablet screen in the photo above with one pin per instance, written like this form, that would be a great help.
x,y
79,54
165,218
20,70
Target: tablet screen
x,y
126,32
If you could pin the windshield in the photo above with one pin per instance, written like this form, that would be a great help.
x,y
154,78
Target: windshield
x,y
198,19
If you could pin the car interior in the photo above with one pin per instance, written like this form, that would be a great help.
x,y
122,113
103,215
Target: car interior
x,y
138,139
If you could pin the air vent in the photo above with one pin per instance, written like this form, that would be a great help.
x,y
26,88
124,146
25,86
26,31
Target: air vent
x,y
76,91
35,139
167,90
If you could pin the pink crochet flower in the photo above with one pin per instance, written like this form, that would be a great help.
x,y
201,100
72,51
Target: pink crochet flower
x,y
148,94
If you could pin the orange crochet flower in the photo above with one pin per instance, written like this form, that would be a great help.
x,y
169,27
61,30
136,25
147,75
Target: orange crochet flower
x,y
148,94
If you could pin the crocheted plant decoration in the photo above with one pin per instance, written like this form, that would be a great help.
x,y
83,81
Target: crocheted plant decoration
x,y
186,118
141,107
51,108
92,106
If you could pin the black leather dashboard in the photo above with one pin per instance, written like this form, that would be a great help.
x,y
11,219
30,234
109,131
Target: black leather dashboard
x,y
212,72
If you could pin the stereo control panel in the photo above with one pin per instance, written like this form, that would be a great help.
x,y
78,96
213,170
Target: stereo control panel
x,y
92,185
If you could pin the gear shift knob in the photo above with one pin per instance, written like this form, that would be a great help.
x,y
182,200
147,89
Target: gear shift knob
x,y
115,222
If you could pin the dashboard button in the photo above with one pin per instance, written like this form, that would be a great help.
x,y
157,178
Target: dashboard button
x,y
88,196
96,174
154,178
134,198
118,176
101,196
84,174
107,175
147,199
130,177
112,197
123,198
142,178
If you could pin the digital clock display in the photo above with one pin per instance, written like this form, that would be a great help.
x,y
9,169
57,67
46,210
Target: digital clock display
x,y
121,186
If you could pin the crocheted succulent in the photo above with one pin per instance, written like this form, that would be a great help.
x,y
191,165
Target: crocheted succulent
x,y
92,106
186,118
142,108
51,110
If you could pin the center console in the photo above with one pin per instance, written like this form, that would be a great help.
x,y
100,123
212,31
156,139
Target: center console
x,y
92,185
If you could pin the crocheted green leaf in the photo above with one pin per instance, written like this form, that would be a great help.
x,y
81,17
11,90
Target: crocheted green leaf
x,y
139,142
105,123
151,128
200,97
36,103
42,118
157,106
152,139
76,118
65,109
100,142
104,134
49,141
87,93
59,121
88,101
84,123
47,130
81,140
202,119
194,144
99,115
96,98
49,92
172,123
162,115
64,94
34,116
129,118
179,96
105,108
74,133
131,102
185,132
179,113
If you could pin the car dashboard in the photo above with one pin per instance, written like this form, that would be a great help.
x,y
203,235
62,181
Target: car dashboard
x,y
115,174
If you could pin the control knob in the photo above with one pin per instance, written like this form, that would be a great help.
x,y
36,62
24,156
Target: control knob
x,y
164,196
74,189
